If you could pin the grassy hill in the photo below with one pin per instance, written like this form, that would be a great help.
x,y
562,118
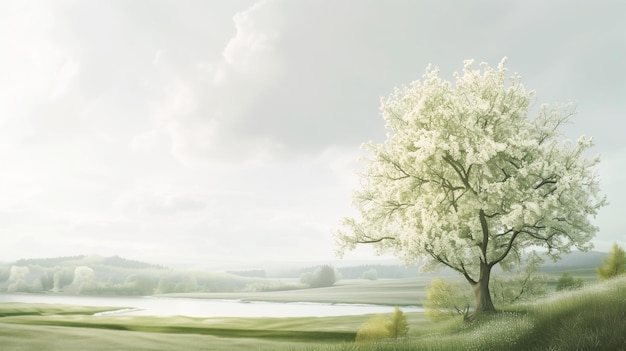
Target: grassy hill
x,y
82,260
590,319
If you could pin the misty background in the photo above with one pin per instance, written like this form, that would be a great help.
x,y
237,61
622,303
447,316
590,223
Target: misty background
x,y
229,131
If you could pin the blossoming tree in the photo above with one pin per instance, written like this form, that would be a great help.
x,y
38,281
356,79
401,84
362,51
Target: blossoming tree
x,y
467,180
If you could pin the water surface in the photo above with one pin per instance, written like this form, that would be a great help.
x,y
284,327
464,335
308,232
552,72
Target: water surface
x,y
167,306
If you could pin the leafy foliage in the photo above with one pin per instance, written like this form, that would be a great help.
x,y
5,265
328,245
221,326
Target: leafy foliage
x,y
527,283
305,278
466,179
76,277
62,278
141,284
444,299
567,282
450,298
383,327
397,325
374,329
371,274
614,265
322,276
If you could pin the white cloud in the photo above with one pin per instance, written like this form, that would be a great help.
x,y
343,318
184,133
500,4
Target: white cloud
x,y
196,127
157,56
155,203
258,29
152,141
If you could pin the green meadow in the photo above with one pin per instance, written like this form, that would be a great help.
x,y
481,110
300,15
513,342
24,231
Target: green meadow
x,y
392,292
593,318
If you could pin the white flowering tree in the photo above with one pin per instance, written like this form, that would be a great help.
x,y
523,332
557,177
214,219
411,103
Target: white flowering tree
x,y
467,180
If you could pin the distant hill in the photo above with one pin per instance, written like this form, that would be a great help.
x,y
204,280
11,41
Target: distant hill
x,y
575,260
394,268
112,261
49,262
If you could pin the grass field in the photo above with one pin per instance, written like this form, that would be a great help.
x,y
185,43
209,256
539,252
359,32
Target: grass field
x,y
590,319
41,328
393,292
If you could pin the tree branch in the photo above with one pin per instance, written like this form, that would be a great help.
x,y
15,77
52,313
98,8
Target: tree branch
x,y
509,245
485,230
461,270
550,180
372,241
460,171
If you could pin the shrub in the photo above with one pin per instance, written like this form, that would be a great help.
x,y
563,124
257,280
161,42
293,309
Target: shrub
x,y
306,277
446,299
323,276
166,286
374,329
525,283
380,327
141,285
397,325
370,274
62,278
567,282
614,265
188,284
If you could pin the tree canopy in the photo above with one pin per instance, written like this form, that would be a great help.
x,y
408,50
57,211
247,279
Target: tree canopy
x,y
465,179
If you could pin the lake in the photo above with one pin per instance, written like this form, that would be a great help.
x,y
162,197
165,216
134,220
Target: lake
x,y
166,306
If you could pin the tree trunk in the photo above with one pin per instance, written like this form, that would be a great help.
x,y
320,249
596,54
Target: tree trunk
x,y
482,293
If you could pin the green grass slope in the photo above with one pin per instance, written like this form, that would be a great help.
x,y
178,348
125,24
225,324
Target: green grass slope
x,y
590,319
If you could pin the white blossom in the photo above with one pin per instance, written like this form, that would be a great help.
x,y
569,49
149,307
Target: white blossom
x,y
461,155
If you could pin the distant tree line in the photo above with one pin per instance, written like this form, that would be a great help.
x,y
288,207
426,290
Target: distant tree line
x,y
117,261
356,272
94,275
255,273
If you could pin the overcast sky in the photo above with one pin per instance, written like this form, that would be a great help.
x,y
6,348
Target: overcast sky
x,y
206,131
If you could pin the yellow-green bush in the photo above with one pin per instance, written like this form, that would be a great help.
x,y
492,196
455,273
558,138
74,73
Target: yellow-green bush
x,y
374,329
383,327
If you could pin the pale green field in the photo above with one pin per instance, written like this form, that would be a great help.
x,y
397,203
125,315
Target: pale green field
x,y
392,292
43,327
57,327
590,319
